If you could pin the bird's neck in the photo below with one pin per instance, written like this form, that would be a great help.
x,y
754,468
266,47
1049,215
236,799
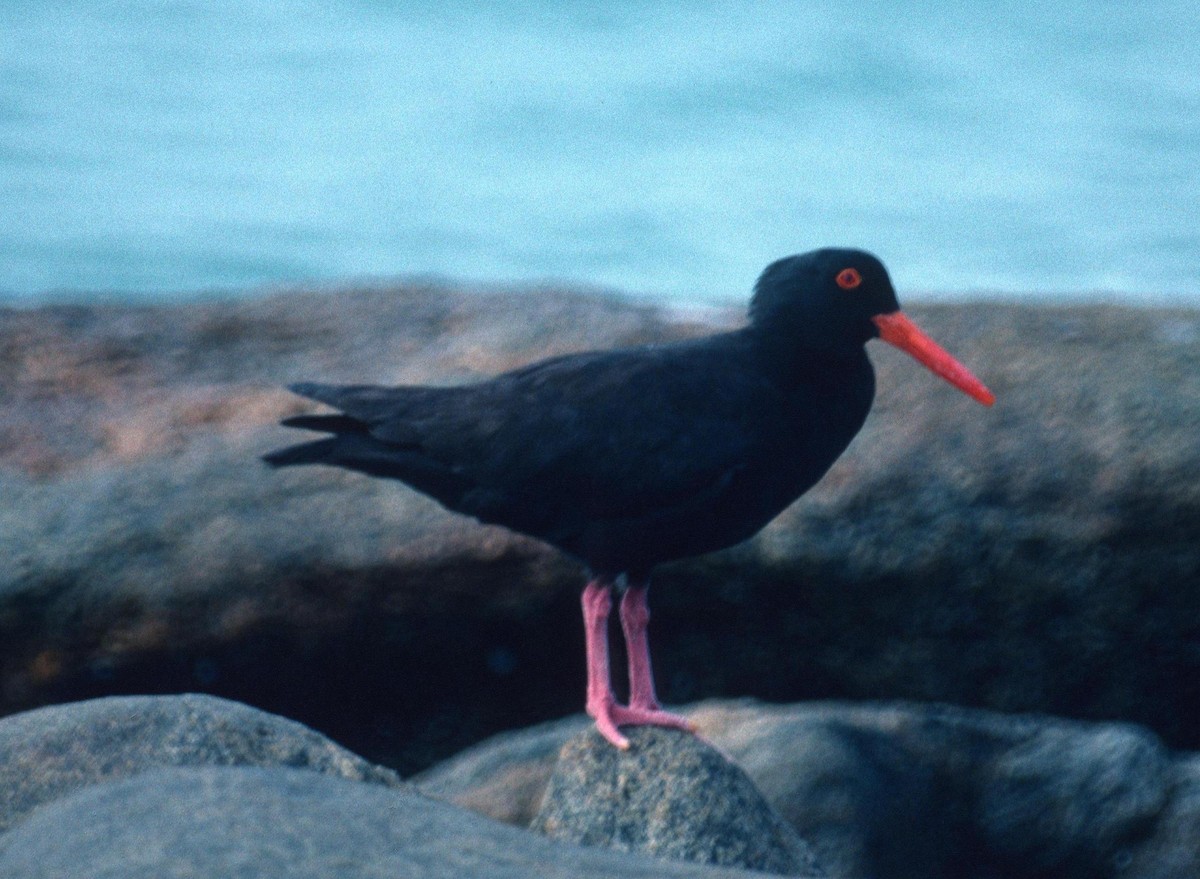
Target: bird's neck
x,y
789,360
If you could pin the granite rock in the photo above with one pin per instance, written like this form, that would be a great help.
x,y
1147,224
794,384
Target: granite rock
x,y
193,786
1037,556
671,796
277,823
906,790
48,753
503,777
1172,850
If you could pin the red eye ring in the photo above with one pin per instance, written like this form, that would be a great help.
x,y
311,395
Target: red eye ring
x,y
848,279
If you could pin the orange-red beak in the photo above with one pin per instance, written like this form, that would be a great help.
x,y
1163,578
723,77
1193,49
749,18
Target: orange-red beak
x,y
898,330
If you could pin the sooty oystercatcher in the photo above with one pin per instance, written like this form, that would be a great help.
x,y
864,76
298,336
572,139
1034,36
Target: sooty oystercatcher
x,y
631,457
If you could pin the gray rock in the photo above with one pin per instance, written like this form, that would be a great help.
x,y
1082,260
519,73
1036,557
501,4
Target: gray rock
x,y
49,753
932,790
1173,848
1032,557
504,777
148,549
904,790
671,796
1075,795
263,823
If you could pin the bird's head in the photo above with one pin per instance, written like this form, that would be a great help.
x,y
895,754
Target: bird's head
x,y
838,299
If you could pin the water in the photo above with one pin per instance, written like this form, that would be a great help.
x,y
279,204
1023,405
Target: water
x,y
671,150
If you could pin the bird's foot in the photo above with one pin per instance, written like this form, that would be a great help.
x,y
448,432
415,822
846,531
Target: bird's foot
x,y
609,715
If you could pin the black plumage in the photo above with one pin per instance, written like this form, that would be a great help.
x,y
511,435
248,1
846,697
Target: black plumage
x,y
632,457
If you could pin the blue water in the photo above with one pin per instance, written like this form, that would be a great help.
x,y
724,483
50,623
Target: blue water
x,y
661,148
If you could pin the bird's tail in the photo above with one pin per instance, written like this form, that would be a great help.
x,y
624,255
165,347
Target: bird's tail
x,y
316,452
326,423
320,451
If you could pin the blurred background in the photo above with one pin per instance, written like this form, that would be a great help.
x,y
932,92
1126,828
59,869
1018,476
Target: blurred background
x,y
667,150
213,199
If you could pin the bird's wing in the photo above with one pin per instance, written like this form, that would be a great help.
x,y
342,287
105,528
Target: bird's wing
x,y
605,435
601,435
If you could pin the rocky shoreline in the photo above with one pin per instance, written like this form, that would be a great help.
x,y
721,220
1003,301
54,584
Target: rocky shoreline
x,y
1041,556
197,786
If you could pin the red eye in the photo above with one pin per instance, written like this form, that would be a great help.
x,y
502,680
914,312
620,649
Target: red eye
x,y
848,279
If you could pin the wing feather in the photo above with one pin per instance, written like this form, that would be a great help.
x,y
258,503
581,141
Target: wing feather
x,y
595,436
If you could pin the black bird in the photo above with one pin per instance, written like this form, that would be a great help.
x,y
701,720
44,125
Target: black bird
x,y
633,457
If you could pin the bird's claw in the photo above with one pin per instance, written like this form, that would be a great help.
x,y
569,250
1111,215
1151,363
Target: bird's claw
x,y
609,715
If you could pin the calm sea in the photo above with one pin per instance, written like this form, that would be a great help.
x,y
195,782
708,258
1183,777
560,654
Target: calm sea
x,y
663,148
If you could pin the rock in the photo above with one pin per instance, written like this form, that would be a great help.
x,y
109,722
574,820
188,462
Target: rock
x,y
504,777
149,550
201,787
1172,850
905,790
933,790
1031,557
275,823
670,796
48,753
1070,796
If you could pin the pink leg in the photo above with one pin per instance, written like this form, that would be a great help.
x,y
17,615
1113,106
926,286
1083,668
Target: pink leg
x,y
644,707
597,602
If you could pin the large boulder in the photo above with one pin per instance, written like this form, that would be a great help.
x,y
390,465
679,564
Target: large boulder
x,y
214,823
504,777
134,788
48,753
901,791
1035,556
672,796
